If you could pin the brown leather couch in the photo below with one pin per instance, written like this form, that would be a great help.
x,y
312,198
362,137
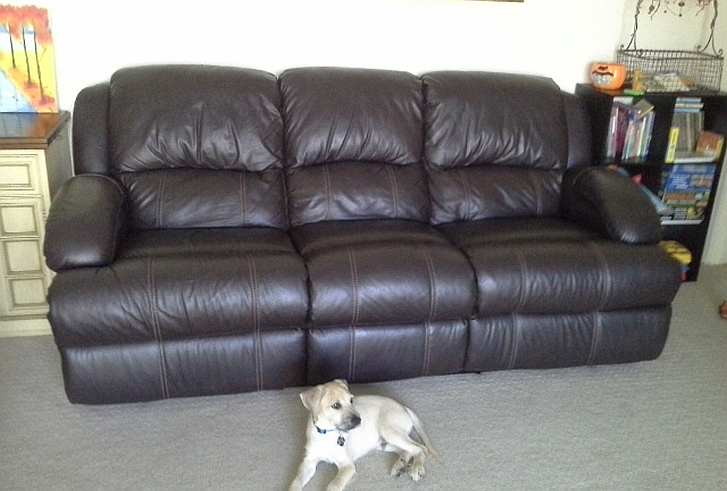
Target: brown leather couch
x,y
231,231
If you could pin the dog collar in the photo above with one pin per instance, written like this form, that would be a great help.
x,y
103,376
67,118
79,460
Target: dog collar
x,y
341,441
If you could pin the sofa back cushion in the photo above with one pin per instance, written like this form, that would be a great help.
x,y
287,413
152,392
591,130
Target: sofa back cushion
x,y
495,144
198,146
353,145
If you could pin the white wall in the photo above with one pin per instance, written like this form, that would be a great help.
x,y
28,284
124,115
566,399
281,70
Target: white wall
x,y
666,31
558,38
716,252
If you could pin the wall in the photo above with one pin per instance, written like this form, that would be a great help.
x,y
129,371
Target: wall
x,y
558,38
666,31
716,252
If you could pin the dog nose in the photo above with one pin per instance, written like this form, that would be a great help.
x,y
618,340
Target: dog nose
x,y
356,420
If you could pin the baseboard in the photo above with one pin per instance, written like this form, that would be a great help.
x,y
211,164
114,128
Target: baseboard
x,y
24,327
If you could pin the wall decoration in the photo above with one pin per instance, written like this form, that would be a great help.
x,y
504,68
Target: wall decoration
x,y
27,60
677,7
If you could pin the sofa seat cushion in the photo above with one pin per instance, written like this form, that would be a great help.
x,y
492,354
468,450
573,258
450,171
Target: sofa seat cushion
x,y
499,230
194,241
181,284
548,266
373,272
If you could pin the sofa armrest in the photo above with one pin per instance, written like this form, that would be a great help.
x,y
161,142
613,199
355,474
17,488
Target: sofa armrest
x,y
611,204
86,220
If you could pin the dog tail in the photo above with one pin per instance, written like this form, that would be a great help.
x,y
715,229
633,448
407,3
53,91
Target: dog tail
x,y
419,428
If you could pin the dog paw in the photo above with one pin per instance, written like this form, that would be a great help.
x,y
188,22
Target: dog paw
x,y
334,487
399,467
417,471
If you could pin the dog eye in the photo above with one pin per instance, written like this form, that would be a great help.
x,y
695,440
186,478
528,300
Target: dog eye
x,y
336,405
352,400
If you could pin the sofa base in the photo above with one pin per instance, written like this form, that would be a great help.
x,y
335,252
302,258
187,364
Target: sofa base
x,y
184,367
564,340
375,353
297,357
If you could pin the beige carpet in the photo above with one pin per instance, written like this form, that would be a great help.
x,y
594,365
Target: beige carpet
x,y
656,425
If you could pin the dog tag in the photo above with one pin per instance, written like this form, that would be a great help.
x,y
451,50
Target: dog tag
x,y
340,441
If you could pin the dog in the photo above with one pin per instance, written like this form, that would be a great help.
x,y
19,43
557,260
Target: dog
x,y
343,428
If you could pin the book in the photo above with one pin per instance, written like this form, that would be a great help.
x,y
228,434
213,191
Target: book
x,y
692,158
688,119
671,149
617,127
710,143
707,149
630,129
686,191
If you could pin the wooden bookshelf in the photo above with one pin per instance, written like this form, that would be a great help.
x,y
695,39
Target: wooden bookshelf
x,y
599,102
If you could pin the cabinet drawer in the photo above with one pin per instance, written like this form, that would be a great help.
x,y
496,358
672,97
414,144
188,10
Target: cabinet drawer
x,y
20,172
21,217
24,296
22,256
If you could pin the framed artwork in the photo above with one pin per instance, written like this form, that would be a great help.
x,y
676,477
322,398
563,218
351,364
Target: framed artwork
x,y
27,61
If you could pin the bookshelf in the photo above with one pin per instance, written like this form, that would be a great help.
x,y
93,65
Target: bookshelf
x,y
651,168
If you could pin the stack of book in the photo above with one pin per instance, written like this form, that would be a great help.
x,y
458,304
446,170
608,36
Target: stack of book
x,y
687,125
630,129
686,192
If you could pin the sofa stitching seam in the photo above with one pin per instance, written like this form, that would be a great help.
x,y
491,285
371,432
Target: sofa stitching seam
x,y
394,189
427,349
243,197
255,321
515,340
432,285
327,184
156,330
162,185
607,280
355,314
595,337
523,280
466,189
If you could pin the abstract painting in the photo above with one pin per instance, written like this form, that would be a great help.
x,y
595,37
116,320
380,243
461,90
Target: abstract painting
x,y
27,61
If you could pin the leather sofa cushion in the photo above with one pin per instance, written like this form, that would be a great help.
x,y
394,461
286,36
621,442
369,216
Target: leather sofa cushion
x,y
490,191
354,145
498,230
475,118
203,117
183,198
496,145
553,275
383,272
347,114
205,241
158,290
356,190
198,146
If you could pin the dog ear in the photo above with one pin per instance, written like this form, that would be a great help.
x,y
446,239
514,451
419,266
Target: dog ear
x,y
311,397
341,382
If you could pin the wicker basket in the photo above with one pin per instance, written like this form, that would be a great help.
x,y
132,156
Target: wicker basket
x,y
701,71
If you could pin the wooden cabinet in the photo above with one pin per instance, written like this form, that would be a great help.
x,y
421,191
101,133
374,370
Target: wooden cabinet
x,y
599,103
34,162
